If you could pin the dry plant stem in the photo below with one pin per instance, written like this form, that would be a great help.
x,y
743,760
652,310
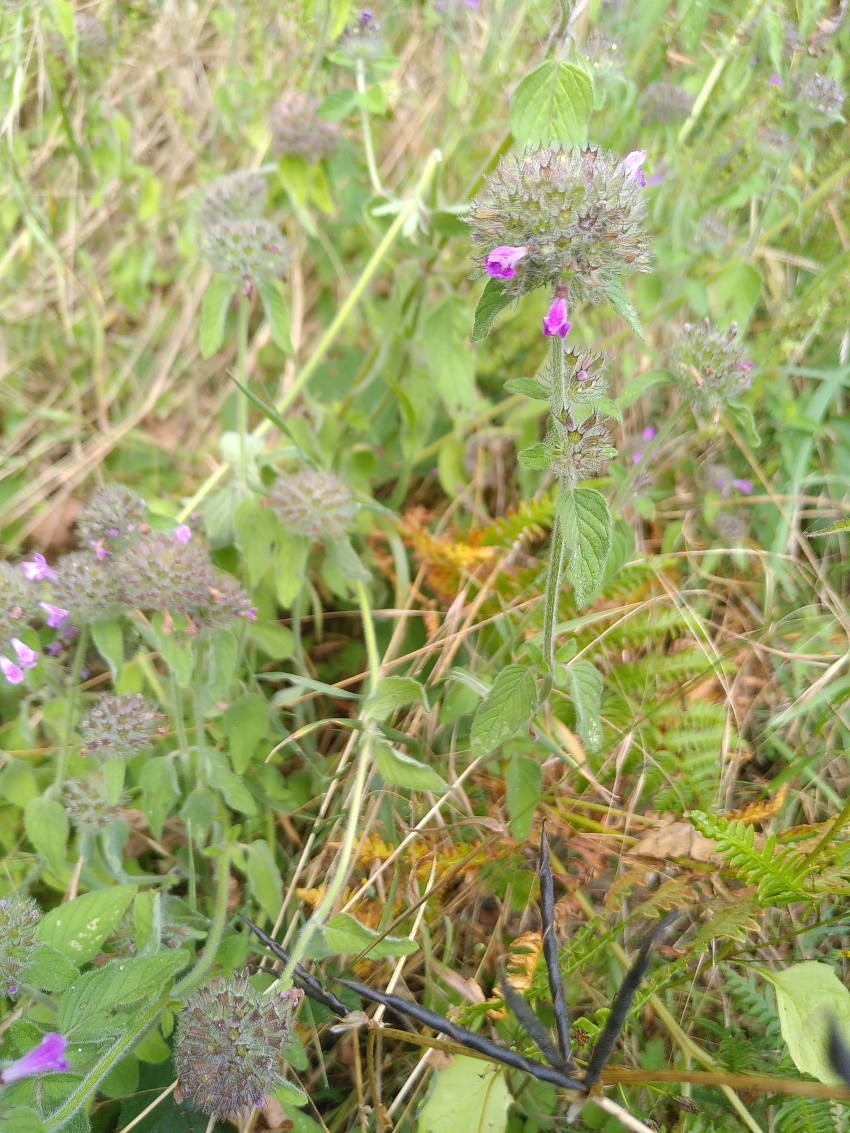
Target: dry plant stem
x,y
368,145
65,753
313,362
622,1115
659,438
242,401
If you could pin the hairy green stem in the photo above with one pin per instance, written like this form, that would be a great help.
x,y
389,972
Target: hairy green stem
x,y
315,359
242,400
369,635
214,936
70,706
368,145
177,710
659,438
557,554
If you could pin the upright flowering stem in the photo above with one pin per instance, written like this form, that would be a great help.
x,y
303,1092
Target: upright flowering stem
x,y
367,131
557,553
177,712
70,705
355,801
242,402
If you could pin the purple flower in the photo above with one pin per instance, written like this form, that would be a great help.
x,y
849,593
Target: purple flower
x,y
632,163
775,80
556,322
12,672
501,262
251,614
69,631
99,549
56,616
637,458
655,178
649,432
745,486
54,648
745,366
13,989
183,533
37,568
48,1055
27,658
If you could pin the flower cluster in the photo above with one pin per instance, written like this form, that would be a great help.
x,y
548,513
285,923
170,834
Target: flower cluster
x,y
313,504
17,604
709,366
233,237
18,919
577,450
298,129
362,39
86,587
228,1045
820,96
111,519
119,725
665,102
570,219
87,805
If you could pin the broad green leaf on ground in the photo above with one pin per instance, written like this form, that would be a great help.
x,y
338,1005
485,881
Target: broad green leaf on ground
x,y
47,828
222,655
79,927
624,307
217,296
343,933
552,104
277,313
522,781
587,532
510,703
392,693
493,299
235,793
451,362
586,695
809,996
264,878
400,770
469,1096
273,639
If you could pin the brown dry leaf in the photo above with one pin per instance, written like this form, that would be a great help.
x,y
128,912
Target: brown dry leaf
x,y
677,840
519,968
274,1117
759,811
54,528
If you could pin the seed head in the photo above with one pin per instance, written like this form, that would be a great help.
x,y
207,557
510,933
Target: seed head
x,y
665,102
578,451
579,213
18,919
240,194
162,574
113,517
87,586
87,806
119,725
297,128
362,39
314,504
709,366
228,1045
244,248
820,97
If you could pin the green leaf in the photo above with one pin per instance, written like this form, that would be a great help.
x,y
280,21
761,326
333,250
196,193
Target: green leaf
x,y
469,1096
160,791
200,808
79,927
638,386
113,779
529,386
392,693
47,828
606,406
147,919
374,100
231,449
217,298
287,1093
743,415
49,969
256,529
342,566
522,782
586,525
223,654
152,1048
119,983
450,358
176,653
264,878
345,934
277,313
586,695
624,307
236,794
289,564
337,105
400,770
109,639
63,16
122,1079
833,529
808,997
245,723
218,517
23,1120
493,299
536,456
552,104
510,703
273,639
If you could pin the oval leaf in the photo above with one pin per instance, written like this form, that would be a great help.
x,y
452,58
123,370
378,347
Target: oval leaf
x,y
400,770
552,104
809,996
509,704
587,532
213,313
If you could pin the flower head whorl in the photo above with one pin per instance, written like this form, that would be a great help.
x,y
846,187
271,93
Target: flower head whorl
x,y
87,586
18,603
18,919
112,518
88,807
119,725
233,237
578,451
709,366
228,1045
579,214
314,504
820,97
361,40
297,129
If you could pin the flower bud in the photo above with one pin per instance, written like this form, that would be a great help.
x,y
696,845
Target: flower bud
x,y
556,321
709,366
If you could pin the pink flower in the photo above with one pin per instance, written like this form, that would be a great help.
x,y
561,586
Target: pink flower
x,y
501,262
37,569
637,458
56,616
556,322
251,614
745,486
183,533
12,672
54,648
27,658
649,432
775,80
632,163
99,549
48,1055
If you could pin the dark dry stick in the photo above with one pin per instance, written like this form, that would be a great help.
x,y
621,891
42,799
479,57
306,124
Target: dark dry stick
x,y
535,1029
302,980
839,1055
550,952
